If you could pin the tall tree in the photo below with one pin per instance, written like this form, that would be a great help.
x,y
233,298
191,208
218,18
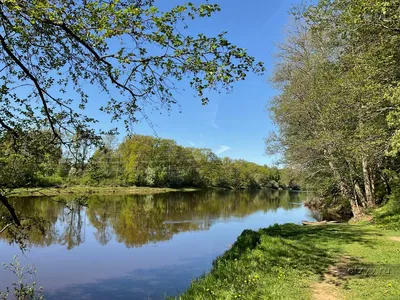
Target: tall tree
x,y
337,75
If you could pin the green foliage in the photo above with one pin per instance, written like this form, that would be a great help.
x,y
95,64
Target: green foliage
x,y
33,161
149,161
103,165
140,161
337,111
388,216
47,181
52,48
23,288
21,168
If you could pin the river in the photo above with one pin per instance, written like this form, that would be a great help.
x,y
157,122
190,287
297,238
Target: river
x,y
139,247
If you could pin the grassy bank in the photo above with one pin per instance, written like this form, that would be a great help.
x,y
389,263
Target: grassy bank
x,y
306,262
89,190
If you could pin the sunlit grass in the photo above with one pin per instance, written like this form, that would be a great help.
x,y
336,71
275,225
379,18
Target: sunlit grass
x,y
283,262
388,216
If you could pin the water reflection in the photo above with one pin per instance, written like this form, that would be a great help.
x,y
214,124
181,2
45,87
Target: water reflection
x,y
139,247
139,284
136,220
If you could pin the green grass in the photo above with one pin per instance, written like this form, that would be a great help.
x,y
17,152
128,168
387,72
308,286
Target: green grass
x,y
388,216
284,262
88,190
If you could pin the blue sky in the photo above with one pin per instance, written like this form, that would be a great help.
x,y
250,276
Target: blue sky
x,y
234,124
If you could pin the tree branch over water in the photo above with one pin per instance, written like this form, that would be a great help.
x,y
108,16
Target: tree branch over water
x,y
11,210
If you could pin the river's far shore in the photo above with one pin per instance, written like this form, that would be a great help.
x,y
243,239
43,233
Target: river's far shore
x,y
85,190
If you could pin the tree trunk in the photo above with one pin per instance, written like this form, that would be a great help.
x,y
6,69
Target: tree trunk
x,y
346,192
372,180
386,184
359,195
355,208
369,185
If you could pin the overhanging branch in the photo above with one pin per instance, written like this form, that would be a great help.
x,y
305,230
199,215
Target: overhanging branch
x,y
4,201
35,82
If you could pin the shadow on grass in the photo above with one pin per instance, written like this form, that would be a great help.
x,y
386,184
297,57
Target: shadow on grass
x,y
277,262
310,249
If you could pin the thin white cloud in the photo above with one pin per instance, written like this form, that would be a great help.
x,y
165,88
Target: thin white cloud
x,y
222,149
214,116
191,144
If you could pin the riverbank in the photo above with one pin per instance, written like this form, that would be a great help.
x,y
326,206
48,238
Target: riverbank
x,y
84,190
336,261
93,190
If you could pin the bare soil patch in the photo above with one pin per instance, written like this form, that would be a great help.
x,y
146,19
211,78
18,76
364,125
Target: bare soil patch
x,y
328,287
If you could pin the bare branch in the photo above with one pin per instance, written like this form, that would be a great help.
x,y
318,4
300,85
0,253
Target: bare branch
x,y
5,227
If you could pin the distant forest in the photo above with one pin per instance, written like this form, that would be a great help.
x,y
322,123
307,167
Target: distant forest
x,y
138,161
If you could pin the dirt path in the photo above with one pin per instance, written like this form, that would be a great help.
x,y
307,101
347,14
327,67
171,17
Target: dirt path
x,y
324,291
329,287
395,238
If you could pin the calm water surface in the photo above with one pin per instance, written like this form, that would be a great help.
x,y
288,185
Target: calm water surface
x,y
141,247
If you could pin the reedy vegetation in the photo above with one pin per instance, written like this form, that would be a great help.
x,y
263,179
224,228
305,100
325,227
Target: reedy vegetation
x,y
338,109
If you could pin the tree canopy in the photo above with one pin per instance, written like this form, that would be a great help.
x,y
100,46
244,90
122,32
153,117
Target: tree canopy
x,y
337,112
138,161
133,52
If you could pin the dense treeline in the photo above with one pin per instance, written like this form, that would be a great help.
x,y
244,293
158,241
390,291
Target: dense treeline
x,y
138,161
338,109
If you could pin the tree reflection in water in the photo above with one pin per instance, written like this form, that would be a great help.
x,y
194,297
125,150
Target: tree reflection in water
x,y
136,220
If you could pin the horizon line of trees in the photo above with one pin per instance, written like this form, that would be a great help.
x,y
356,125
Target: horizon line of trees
x,y
138,161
